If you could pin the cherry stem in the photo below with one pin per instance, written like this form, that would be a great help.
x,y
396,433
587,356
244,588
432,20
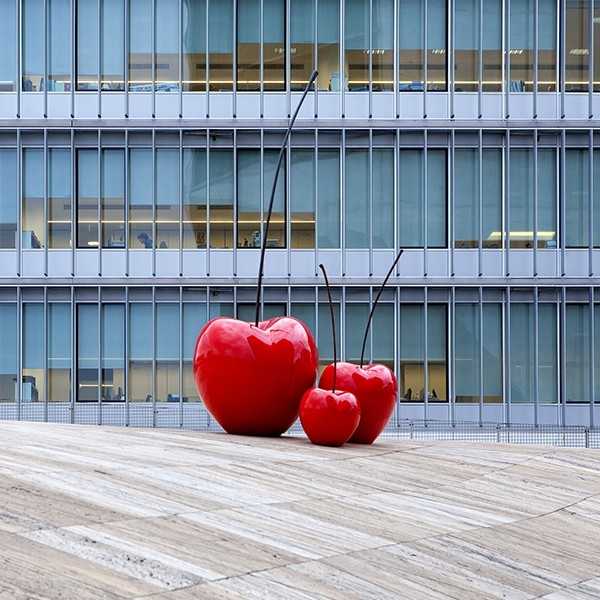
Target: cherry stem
x,y
362,352
266,232
332,325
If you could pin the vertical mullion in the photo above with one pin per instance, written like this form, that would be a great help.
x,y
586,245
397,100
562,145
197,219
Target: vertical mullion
x,y
73,347
452,56
426,357
45,179
507,53
99,349
563,190
425,59
262,73
99,61
181,202
396,76
536,43
452,391
316,190
535,202
288,57
180,61
126,358
99,201
126,62
370,60
235,204
370,199
153,356
591,60
19,351
126,206
452,200
342,5
507,346
536,356
262,202
180,374
592,354
74,196
398,338
207,60
208,204
315,57
234,72
371,328
563,361
480,202
343,196
591,202
153,201
507,205
19,202
343,325
426,202
208,318
287,205
396,352
153,32
45,348
46,25
18,69
396,197
480,370
480,65
563,57
73,37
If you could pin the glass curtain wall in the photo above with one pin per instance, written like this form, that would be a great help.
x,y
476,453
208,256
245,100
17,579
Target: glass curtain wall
x,y
193,37
8,352
577,353
112,198
8,198
32,353
220,46
167,46
141,198
141,352
195,192
194,317
33,218
328,46
59,198
33,43
112,354
302,39
167,352
302,198
577,197
221,198
8,45
140,46
577,45
167,198
58,42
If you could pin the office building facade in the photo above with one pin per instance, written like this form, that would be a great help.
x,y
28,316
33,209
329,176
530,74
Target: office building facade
x,y
138,142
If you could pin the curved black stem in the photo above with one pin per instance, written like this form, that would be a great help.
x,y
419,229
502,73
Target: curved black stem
x,y
362,352
332,325
279,161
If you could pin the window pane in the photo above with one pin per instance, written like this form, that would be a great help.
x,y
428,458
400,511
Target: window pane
x,y
87,45
467,45
466,197
87,353
302,208
33,45
596,353
113,353
305,312
112,68
521,198
383,335
277,231
248,50
577,51
547,188
194,317
356,321
325,334
437,353
437,56
167,46
33,389
596,184
382,52
577,196
411,56
274,44
167,198
522,339
596,21
411,193
383,198
547,73
356,45
492,234
220,45
411,340
8,46
194,198
221,309
34,225
328,193
547,353
8,198
59,197
140,352
248,198
59,45
328,50
436,198
466,348
492,353
140,198
577,355
221,199
194,45
492,46
167,352
113,198
521,45
357,198
87,198
302,25
8,352
140,45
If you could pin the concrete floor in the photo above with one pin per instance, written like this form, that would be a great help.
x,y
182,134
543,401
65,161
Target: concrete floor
x,y
98,512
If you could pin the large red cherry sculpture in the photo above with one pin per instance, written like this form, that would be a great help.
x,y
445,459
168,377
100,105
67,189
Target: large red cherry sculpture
x,y
252,378
329,418
375,389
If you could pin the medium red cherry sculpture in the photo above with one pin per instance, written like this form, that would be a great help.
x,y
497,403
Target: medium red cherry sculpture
x,y
252,377
375,389
329,418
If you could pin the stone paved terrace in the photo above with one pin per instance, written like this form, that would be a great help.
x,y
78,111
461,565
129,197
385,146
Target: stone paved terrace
x,y
99,512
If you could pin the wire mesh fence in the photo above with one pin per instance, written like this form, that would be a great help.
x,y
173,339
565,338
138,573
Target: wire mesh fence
x,y
195,417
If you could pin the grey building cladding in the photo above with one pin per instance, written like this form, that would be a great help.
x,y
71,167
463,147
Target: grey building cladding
x,y
137,147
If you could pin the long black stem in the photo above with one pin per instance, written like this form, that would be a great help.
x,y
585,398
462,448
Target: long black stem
x,y
332,325
362,352
266,232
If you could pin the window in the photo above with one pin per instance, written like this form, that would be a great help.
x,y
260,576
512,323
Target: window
x,y
59,352
302,199
356,45
547,21
411,55
382,50
141,352
274,45
382,182
59,198
87,353
113,198
167,198
140,46
221,199
596,199
325,333
492,198
87,198
8,45
466,198
8,198
596,25
521,52
167,46
194,45
547,353
194,198
577,50
302,26
59,45
357,198
467,45
577,353
492,55
34,40
141,193
383,335
87,45
277,230
328,198
248,45
8,353
34,380
248,197
194,317
220,45
577,196
328,45
113,353
167,352
34,220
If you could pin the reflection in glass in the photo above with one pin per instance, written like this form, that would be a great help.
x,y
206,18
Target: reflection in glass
x,y
167,198
59,198
87,45
113,353
357,198
437,57
325,334
437,370
577,353
33,380
87,198
356,321
492,233
248,197
8,198
167,46
33,218
521,45
547,353
411,57
492,353
59,352
277,233
466,198
8,46
356,45
140,352
274,45
436,199
220,46
194,317
492,46
33,40
112,67
328,194
59,45
383,335
383,197
382,51
328,46
167,352
113,198
140,45
194,45
248,45
577,50
140,198
8,353
302,199
577,197
467,45
221,199
302,42
411,340
194,198
87,353
547,19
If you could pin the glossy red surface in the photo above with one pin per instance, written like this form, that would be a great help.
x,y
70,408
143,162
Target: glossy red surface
x,y
252,378
329,418
375,389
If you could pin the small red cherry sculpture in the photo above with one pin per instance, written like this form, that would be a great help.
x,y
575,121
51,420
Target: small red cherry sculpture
x,y
252,377
329,418
374,386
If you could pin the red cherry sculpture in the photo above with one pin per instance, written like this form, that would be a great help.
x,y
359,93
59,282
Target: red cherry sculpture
x,y
375,389
252,378
329,418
